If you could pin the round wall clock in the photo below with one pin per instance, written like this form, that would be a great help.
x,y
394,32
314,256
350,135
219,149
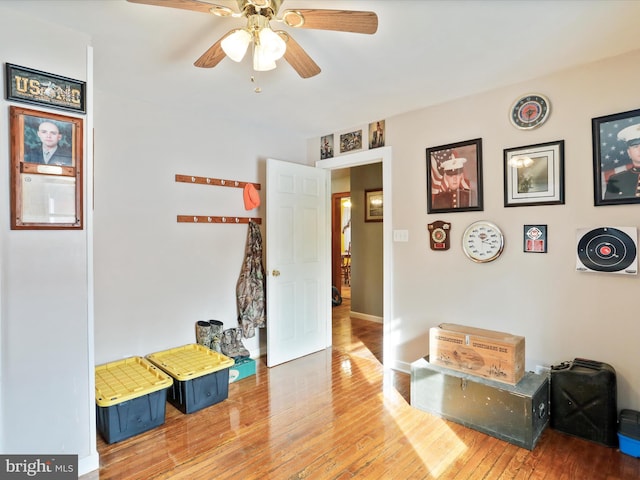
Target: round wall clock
x,y
530,111
482,241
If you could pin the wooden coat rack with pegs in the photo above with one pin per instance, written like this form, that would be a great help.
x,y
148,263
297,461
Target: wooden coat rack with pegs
x,y
217,219
221,182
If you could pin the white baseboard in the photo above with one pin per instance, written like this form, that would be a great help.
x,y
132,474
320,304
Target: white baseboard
x,y
88,467
365,316
403,367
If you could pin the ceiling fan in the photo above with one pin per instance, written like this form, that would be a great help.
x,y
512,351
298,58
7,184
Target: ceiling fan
x,y
270,45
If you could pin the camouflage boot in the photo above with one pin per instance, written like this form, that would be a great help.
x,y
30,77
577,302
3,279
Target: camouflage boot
x,y
228,343
216,335
242,352
203,333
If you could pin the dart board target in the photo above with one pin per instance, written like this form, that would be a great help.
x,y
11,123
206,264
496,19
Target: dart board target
x,y
607,249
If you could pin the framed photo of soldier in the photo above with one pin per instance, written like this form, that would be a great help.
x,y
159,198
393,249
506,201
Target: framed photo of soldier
x,y
46,170
454,177
616,158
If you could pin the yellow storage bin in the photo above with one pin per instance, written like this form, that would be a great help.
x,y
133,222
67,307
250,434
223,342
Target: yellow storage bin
x,y
131,397
201,376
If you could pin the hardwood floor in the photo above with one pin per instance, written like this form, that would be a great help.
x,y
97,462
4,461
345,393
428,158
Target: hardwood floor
x,y
337,414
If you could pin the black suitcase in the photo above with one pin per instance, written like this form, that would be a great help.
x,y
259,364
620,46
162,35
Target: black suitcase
x,y
584,400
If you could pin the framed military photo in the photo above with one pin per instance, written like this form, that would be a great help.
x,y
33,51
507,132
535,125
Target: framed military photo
x,y
616,158
46,170
534,175
454,177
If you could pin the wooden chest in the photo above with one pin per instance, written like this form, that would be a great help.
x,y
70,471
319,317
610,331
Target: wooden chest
x,y
485,353
517,414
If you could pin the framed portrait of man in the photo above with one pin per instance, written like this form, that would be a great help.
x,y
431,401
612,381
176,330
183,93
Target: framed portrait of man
x,y
46,170
326,147
616,158
454,177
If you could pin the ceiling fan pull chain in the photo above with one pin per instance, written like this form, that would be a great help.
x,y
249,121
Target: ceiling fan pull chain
x,y
257,88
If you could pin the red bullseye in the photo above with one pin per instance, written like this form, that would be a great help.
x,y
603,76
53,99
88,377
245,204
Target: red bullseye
x,y
605,250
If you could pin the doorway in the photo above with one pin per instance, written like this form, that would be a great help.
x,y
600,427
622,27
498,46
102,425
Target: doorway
x,y
381,155
341,241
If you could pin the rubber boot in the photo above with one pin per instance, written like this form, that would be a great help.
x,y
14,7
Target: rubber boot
x,y
216,335
228,343
242,352
203,333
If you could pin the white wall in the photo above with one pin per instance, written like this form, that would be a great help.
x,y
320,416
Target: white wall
x,y
154,277
562,313
46,339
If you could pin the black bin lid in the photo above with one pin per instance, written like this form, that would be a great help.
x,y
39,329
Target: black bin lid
x,y
630,423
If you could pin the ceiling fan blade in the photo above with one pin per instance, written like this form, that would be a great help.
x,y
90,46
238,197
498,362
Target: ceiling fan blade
x,y
340,20
298,58
193,5
214,55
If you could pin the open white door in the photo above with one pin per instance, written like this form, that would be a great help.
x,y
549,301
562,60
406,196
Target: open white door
x,y
298,283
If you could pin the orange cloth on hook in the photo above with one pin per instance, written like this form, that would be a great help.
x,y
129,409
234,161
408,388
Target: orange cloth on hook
x,y
251,197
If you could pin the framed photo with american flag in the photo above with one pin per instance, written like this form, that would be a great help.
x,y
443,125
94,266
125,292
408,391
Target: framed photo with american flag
x,y
454,177
616,158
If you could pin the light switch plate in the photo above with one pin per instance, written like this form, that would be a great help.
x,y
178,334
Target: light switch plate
x,y
401,235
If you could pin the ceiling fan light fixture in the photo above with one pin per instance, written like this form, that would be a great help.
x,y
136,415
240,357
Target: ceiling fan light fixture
x,y
274,46
292,18
262,62
235,45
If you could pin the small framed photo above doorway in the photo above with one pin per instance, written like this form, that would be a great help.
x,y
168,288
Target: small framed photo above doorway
x,y
326,147
351,141
46,170
374,205
376,134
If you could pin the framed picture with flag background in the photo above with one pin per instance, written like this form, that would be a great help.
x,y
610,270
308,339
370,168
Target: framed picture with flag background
x,y
616,158
454,177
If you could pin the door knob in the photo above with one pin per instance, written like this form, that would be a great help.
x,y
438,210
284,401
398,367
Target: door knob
x,y
275,273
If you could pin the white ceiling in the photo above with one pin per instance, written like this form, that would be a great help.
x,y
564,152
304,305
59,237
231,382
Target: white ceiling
x,y
424,53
